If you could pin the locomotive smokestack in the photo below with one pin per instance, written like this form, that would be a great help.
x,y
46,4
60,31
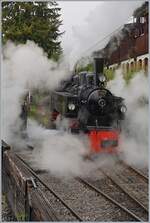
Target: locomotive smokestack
x,y
98,65
98,68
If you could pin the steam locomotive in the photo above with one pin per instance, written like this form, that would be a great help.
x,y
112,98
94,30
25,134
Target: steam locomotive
x,y
90,108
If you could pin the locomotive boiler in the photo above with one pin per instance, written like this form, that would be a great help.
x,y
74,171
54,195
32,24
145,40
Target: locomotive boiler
x,y
90,108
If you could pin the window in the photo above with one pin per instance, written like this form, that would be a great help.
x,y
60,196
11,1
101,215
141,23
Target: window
x,y
132,66
134,20
145,64
141,30
76,80
142,20
127,67
140,64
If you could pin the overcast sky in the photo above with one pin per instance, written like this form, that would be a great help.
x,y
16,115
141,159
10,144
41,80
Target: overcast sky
x,y
75,12
86,22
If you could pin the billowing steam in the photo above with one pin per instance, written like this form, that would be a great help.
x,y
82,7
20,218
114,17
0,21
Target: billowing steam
x,y
82,38
56,151
134,138
25,67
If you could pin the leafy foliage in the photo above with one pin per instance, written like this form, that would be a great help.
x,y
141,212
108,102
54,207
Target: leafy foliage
x,y
89,68
129,75
36,21
141,11
110,74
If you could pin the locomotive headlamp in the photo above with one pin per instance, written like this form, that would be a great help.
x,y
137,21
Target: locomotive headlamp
x,y
123,109
102,78
71,106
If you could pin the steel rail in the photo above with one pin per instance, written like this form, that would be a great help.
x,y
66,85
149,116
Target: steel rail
x,y
135,170
50,189
125,191
54,217
109,198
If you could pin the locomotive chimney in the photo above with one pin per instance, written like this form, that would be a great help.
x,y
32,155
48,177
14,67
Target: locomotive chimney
x,y
98,68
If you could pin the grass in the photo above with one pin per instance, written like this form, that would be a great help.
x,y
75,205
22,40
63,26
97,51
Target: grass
x,y
33,110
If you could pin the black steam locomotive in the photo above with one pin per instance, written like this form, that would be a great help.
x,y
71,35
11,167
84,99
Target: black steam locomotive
x,y
90,108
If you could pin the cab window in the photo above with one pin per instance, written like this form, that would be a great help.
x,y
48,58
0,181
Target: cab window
x,y
90,80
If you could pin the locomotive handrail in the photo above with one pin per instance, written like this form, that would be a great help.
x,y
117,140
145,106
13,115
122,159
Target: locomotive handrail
x,y
100,127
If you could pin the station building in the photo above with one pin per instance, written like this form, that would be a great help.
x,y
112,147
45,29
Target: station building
x,y
129,48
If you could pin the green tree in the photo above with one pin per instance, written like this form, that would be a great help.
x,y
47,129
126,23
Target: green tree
x,y
142,10
36,21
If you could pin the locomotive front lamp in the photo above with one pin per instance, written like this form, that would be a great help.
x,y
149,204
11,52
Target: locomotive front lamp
x,y
102,78
71,106
123,109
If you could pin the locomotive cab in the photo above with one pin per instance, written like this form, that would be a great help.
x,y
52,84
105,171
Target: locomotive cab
x,y
90,80
82,78
76,80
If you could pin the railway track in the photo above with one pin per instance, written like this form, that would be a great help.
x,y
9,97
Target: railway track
x,y
143,171
49,191
131,180
105,184
84,200
128,212
136,171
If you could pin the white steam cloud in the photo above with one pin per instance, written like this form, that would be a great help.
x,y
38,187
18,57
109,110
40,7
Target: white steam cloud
x,y
25,67
56,151
134,138
89,35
